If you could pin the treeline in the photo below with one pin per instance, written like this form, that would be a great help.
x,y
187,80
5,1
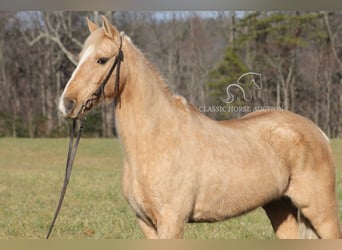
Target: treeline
x,y
299,57
297,54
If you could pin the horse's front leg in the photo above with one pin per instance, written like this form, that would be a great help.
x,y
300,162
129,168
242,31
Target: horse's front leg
x,y
166,229
149,230
170,226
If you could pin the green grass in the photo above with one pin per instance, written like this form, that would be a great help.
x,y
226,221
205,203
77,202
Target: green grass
x,y
31,176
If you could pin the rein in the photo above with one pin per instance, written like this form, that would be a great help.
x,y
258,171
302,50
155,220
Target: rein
x,y
86,107
70,160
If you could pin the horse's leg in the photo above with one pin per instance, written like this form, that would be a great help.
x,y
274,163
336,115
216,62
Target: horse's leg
x,y
314,194
282,214
322,214
148,230
170,225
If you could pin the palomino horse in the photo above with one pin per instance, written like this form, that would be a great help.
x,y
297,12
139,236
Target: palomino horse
x,y
181,166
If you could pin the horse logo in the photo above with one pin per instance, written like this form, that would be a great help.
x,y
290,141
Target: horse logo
x,y
230,97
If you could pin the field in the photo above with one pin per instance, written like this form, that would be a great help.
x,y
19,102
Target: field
x,y
31,176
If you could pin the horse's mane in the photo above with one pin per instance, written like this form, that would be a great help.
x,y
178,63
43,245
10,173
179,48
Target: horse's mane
x,y
163,83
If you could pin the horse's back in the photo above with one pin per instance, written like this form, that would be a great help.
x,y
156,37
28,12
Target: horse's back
x,y
293,136
280,124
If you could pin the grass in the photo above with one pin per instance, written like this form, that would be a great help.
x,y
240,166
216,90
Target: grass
x,y
31,176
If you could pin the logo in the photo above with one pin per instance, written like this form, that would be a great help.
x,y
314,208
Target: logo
x,y
239,89
255,77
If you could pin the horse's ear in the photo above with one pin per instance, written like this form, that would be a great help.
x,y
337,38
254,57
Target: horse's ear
x,y
109,29
91,26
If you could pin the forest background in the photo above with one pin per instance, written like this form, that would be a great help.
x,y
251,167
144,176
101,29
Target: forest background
x,y
297,54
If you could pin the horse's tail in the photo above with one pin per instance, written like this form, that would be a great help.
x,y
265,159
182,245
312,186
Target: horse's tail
x,y
305,229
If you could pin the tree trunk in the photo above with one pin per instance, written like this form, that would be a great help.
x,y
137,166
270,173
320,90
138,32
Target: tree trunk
x,y
328,108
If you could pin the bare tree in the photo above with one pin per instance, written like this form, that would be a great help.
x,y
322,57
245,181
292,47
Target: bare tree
x,y
333,36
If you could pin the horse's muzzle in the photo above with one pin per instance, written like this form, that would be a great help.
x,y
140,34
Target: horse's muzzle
x,y
67,106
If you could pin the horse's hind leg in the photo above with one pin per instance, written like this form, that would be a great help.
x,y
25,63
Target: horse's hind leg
x,y
282,214
314,194
322,213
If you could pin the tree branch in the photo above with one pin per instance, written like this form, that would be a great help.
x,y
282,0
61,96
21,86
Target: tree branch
x,y
69,54
33,41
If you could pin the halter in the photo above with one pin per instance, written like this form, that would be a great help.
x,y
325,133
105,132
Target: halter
x,y
88,104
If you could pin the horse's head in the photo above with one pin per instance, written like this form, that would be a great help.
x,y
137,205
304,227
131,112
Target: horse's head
x,y
83,91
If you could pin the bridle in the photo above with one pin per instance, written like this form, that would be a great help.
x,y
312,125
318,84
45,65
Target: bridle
x,y
88,104
97,94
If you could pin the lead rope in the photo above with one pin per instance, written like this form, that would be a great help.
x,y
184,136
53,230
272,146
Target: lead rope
x,y
70,160
86,107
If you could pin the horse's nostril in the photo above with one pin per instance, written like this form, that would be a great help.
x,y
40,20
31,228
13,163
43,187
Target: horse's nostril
x,y
69,105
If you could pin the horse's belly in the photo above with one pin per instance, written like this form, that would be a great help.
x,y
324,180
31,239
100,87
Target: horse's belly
x,y
222,200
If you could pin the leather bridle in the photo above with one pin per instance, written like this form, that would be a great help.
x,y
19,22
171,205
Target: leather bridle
x,y
100,91
88,104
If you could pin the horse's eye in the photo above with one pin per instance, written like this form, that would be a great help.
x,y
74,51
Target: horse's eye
x,y
102,60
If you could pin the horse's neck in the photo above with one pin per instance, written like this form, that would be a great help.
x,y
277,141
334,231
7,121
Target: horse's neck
x,y
145,104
